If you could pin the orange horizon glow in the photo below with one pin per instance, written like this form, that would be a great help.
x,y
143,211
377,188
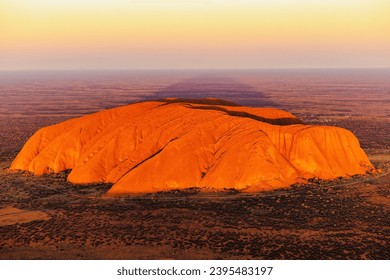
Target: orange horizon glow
x,y
121,34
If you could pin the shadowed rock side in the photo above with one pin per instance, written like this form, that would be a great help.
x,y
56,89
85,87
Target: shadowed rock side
x,y
178,144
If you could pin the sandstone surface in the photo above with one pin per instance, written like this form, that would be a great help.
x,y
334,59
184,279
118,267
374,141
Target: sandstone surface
x,y
178,144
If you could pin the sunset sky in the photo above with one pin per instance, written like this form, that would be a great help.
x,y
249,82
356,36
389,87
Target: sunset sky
x,y
167,34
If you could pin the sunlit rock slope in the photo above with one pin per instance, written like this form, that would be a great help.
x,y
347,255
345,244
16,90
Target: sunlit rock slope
x,y
177,144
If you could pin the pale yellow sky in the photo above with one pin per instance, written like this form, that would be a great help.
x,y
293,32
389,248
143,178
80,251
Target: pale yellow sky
x,y
126,34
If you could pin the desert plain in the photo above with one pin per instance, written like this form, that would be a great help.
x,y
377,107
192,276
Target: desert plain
x,y
46,217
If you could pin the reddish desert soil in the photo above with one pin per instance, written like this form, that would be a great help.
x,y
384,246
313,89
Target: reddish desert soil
x,y
343,219
11,216
339,219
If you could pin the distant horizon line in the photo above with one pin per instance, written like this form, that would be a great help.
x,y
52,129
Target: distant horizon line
x,y
192,69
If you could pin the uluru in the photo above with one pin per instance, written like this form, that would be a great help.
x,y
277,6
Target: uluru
x,y
176,144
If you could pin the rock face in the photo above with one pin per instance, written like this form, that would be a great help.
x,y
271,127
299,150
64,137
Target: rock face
x,y
177,144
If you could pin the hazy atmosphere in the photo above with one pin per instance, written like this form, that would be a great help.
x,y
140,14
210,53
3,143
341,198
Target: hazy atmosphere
x,y
169,34
195,130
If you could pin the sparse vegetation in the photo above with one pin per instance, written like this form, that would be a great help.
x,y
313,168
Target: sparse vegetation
x,y
339,219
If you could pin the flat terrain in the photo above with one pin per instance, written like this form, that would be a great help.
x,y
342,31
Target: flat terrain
x,y
346,219
47,218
